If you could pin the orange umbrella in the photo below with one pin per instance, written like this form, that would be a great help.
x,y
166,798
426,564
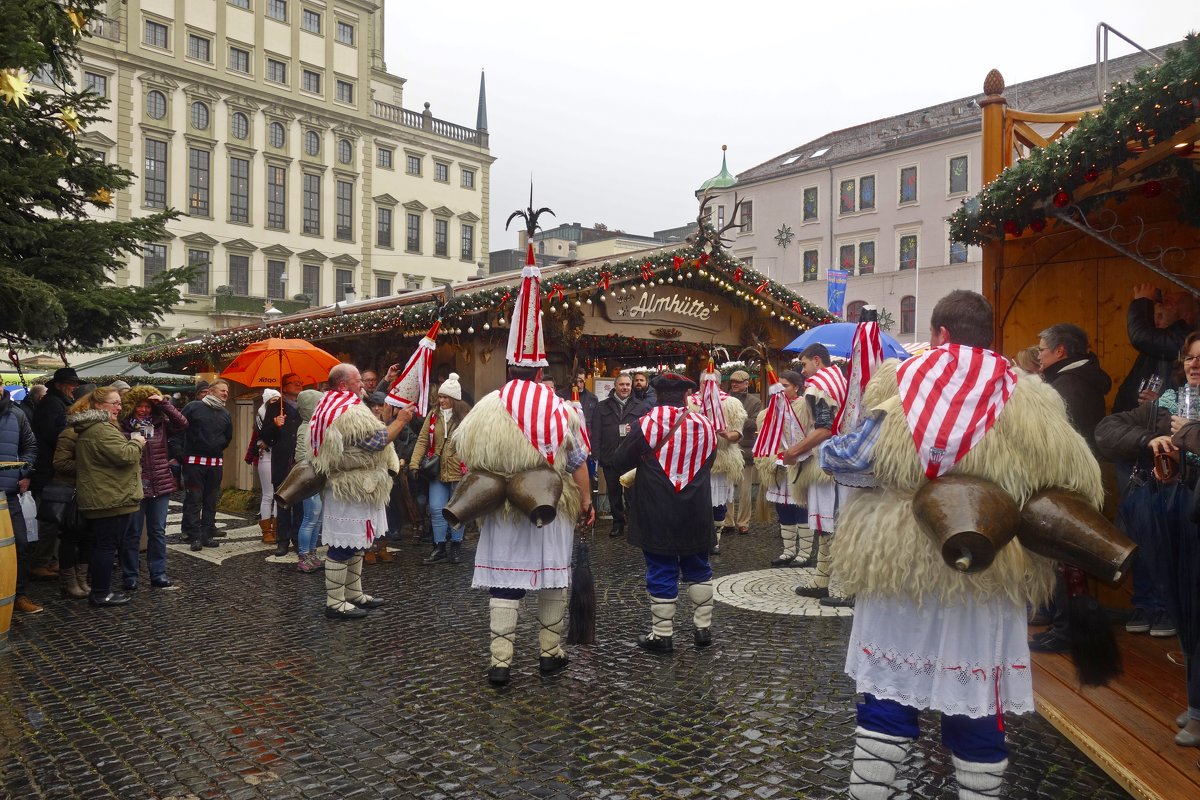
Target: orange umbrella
x,y
265,363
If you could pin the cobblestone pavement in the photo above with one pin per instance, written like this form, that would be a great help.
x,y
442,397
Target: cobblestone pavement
x,y
237,687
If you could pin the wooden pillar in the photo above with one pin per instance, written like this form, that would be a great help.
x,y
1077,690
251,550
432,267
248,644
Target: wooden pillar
x,y
993,163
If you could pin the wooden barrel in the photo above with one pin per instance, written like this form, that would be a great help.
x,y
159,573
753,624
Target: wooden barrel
x,y
8,571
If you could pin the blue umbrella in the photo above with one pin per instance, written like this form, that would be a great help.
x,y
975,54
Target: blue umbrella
x,y
16,392
838,337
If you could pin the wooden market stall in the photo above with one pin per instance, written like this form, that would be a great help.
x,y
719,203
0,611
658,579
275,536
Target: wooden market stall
x,y
1076,210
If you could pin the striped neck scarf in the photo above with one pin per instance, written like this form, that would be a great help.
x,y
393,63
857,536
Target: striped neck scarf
x,y
710,399
952,395
333,404
832,382
689,447
540,414
781,427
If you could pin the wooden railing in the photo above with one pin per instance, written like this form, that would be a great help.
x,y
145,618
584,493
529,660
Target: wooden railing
x,y
1020,138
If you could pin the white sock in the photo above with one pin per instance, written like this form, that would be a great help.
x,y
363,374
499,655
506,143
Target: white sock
x,y
877,756
978,781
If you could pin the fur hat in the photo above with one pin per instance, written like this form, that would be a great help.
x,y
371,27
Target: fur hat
x,y
451,387
134,396
672,382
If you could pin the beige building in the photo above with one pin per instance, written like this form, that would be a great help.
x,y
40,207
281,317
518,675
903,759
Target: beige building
x,y
874,200
276,129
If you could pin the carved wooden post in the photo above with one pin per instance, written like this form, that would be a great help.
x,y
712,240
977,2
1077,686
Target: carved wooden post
x,y
993,158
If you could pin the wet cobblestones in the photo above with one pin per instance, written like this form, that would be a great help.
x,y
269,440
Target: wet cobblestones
x,y
237,687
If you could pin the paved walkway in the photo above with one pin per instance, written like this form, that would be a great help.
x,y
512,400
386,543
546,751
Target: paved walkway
x,y
237,687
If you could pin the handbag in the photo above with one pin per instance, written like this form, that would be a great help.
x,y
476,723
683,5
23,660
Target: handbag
x,y
59,505
430,465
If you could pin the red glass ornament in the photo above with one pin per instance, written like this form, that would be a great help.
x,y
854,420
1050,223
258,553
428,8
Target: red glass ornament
x,y
737,274
1091,175
1152,189
1012,227
1061,200
1037,225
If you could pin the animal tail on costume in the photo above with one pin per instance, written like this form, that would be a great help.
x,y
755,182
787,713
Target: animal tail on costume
x,y
581,619
1092,642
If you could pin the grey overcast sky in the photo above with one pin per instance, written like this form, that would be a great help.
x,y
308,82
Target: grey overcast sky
x,y
618,110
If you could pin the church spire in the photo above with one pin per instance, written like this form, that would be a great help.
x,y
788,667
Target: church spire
x,y
481,115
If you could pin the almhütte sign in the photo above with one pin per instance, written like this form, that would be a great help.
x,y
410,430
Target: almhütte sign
x,y
676,307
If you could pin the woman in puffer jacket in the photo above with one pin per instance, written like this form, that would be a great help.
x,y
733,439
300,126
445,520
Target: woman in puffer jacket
x,y
108,484
146,411
310,524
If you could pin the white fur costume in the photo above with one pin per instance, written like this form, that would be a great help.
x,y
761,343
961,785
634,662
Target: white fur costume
x,y
727,468
359,484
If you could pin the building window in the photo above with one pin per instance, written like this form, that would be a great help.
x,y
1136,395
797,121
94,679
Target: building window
x,y
239,275
441,172
312,143
344,211
200,116
958,175
155,34
468,242
866,192
908,251
43,74
198,182
341,279
312,203
275,278
345,151
958,253
98,156
908,314
344,92
383,287
154,262
277,9
276,197
846,258
276,71
240,3
312,283
239,190
310,21
413,243
846,197
156,104
720,217
908,185
866,258
468,179
345,33
413,283
441,231
275,135
854,310
154,177
310,81
239,125
412,165
96,84
199,48
863,264
383,227
383,157
239,60
199,261
747,225
810,263
810,199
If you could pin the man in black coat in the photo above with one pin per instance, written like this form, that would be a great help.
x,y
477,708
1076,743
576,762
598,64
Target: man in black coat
x,y
616,415
209,432
1157,345
281,423
671,514
49,419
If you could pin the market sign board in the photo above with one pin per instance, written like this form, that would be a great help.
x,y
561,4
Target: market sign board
x,y
669,306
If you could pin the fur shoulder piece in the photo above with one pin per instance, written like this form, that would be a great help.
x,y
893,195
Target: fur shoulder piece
x,y
735,413
355,424
883,383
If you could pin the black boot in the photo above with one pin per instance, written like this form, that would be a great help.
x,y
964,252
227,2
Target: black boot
x,y
208,542
438,555
618,529
456,552
281,546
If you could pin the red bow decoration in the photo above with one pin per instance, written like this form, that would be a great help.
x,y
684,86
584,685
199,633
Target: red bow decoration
x,y
704,259
504,299
678,261
737,274
761,286
605,280
799,309
556,289
647,272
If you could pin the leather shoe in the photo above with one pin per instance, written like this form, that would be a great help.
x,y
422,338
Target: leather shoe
x,y
812,591
131,587
837,602
617,530
781,561
662,645
219,534
552,665
366,601
1049,642
702,636
110,599
208,543
197,546
350,613
499,676
165,584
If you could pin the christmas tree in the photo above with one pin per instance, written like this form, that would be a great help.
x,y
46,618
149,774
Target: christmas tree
x,y
57,265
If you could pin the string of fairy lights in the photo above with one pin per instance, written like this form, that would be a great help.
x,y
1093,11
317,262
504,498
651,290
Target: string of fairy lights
x,y
1159,103
474,311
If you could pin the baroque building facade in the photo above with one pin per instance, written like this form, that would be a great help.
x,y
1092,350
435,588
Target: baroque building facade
x,y
276,130
873,200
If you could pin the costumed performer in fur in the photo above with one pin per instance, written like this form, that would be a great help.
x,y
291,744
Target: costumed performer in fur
x,y
354,451
728,416
926,635
670,510
825,388
783,423
524,426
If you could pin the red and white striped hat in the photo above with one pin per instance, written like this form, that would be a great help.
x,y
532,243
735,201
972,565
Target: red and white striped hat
x,y
526,343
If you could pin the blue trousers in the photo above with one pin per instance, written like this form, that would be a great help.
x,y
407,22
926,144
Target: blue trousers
x,y
791,515
310,526
978,740
153,514
719,512
663,572
439,495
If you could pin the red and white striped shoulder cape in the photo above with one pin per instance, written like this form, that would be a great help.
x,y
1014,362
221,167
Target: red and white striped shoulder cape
x,y
540,414
689,447
333,404
831,382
